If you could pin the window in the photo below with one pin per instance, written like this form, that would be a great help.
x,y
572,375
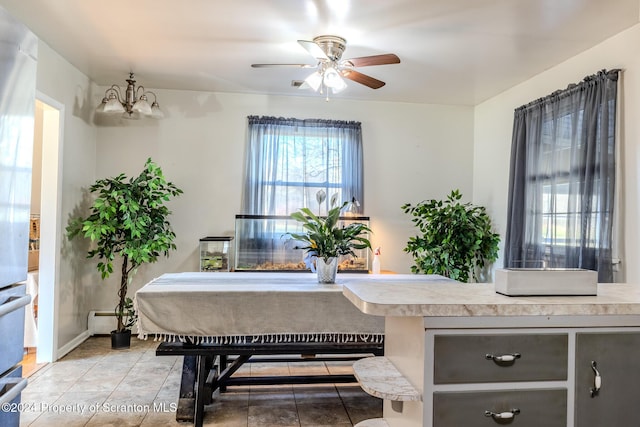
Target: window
x,y
562,179
290,160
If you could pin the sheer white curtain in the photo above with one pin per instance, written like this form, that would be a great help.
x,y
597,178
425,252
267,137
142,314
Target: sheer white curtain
x,y
289,160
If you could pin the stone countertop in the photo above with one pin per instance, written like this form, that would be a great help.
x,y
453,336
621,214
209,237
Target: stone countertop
x,y
453,299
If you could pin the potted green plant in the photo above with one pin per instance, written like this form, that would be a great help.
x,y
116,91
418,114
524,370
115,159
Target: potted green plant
x,y
128,218
456,239
326,240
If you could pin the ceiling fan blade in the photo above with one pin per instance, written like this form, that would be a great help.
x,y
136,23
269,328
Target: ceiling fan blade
x,y
283,65
365,61
313,49
362,79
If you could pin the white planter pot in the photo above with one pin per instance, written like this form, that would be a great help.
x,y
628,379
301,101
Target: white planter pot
x,y
327,271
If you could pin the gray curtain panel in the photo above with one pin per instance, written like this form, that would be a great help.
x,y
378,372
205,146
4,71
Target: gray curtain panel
x,y
562,179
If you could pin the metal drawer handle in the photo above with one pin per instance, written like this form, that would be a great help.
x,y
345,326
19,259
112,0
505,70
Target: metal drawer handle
x,y
597,381
13,303
503,358
16,385
507,415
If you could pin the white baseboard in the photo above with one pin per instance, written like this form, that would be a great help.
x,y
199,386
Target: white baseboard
x,y
65,349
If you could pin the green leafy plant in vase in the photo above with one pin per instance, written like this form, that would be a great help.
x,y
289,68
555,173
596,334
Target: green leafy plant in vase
x,y
128,219
326,240
456,239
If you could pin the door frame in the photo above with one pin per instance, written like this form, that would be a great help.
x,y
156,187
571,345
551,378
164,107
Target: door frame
x,y
50,228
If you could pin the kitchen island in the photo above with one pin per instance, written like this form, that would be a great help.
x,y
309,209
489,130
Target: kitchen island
x,y
477,358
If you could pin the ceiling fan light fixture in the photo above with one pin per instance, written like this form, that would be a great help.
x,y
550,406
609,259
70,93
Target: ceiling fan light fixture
x,y
333,80
333,71
340,88
314,80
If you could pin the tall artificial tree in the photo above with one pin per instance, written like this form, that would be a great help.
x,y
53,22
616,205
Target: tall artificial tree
x,y
128,219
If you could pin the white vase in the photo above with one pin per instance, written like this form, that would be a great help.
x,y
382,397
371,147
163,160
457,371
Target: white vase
x,y
327,270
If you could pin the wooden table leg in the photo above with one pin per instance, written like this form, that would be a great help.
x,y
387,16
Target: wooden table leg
x,y
211,373
223,365
195,393
202,372
187,397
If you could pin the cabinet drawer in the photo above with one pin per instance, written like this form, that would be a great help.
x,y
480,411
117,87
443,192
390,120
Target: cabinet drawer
x,y
464,358
536,408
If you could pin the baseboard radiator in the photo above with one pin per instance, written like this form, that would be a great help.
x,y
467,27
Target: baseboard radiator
x,y
101,322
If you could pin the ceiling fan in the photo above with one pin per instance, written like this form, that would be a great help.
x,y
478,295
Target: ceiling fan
x,y
331,67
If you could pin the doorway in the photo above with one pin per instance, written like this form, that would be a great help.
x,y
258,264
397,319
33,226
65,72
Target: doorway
x,y
48,131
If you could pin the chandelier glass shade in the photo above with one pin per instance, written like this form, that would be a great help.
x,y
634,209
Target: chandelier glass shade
x,y
134,104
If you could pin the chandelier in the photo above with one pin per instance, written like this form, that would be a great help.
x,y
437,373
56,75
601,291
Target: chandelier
x,y
133,105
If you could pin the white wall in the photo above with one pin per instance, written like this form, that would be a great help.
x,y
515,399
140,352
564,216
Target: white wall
x,y
493,126
63,83
412,152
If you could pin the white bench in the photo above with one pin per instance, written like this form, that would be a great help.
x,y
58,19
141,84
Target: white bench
x,y
379,377
375,422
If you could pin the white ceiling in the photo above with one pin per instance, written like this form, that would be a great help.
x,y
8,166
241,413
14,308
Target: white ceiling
x,y
452,51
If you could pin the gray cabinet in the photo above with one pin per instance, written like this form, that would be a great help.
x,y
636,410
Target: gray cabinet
x,y
528,408
499,358
484,379
617,360
525,375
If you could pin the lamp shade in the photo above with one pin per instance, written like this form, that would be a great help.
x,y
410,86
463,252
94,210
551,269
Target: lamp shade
x,y
156,112
113,105
100,108
314,80
333,80
339,86
142,106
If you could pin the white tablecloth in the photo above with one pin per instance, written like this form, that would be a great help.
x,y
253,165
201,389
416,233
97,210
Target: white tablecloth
x,y
259,307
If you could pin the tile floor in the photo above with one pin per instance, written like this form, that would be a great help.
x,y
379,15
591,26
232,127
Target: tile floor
x,y
96,386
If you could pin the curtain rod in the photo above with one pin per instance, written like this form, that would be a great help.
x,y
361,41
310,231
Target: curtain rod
x,y
300,122
571,87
